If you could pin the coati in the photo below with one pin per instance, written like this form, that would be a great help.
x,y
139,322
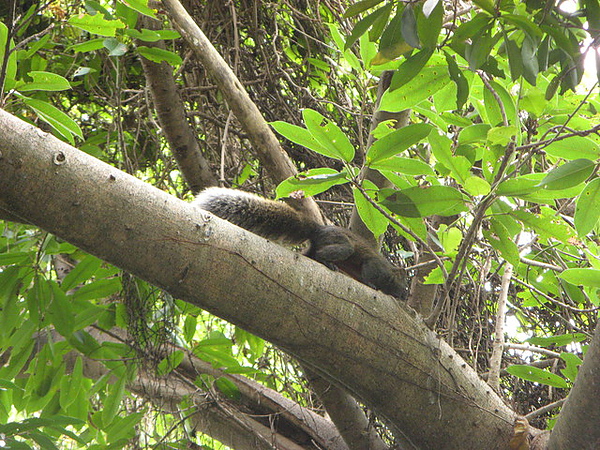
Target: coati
x,y
329,245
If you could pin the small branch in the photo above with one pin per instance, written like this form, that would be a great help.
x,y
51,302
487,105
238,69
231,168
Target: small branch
x,y
532,262
545,409
553,300
498,347
531,348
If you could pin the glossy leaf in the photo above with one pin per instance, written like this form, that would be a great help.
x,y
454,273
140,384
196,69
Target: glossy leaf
x,y
429,81
300,136
545,226
330,137
574,147
409,27
582,277
391,44
360,6
159,55
396,142
83,271
45,81
372,218
312,182
410,68
587,209
422,202
96,24
537,375
62,123
568,175
407,166
364,24
499,237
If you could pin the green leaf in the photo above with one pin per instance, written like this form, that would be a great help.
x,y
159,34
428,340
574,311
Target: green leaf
x,y
10,75
392,44
407,166
364,24
537,375
501,135
548,227
328,135
462,85
574,147
88,46
568,175
474,133
70,386
429,81
573,362
45,81
457,164
170,363
582,277
559,340
487,5
96,24
430,22
525,24
112,402
159,55
83,271
312,182
499,237
477,186
189,327
478,51
114,47
409,27
62,123
397,141
530,61
7,259
515,59
300,136
410,68
140,6
359,7
98,289
587,209
422,202
373,219
469,28
60,311
123,428
228,387
519,186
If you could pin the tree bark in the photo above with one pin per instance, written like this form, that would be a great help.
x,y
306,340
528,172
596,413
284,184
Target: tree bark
x,y
172,118
363,340
578,425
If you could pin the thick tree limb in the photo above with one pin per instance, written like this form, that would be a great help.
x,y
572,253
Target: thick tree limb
x,y
359,338
578,425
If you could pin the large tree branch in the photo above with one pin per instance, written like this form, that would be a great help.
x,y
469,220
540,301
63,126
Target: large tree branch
x,y
359,338
578,423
